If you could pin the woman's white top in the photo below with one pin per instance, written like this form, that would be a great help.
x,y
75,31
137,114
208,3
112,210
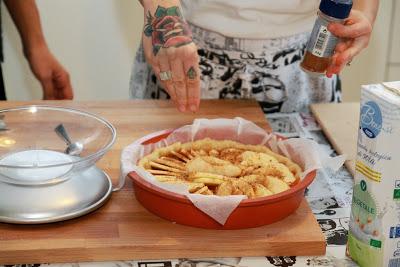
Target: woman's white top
x,y
252,19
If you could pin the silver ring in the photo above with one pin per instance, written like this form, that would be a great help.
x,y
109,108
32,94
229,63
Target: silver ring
x,y
349,63
165,75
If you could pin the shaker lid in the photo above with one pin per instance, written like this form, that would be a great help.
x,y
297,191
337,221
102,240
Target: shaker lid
x,y
339,9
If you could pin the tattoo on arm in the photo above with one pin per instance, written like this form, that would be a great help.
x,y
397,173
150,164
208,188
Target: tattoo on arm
x,y
191,73
167,28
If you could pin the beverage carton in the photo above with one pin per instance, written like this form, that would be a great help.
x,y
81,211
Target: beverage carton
x,y
374,231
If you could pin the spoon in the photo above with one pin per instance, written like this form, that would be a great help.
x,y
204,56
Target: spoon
x,y
73,149
3,126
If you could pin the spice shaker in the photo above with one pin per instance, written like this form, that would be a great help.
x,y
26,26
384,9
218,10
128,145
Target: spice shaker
x,y
321,45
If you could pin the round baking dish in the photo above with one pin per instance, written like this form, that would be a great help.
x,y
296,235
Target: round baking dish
x,y
250,212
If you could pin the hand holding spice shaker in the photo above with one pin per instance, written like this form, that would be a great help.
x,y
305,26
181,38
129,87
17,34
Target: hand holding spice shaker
x,y
322,43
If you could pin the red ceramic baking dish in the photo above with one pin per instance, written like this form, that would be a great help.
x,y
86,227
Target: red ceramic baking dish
x,y
250,212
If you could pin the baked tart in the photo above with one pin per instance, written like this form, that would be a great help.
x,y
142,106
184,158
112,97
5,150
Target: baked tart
x,y
223,168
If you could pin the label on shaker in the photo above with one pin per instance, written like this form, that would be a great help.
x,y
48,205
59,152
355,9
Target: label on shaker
x,y
322,43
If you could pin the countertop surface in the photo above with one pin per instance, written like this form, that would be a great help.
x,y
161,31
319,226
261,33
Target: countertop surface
x,y
112,233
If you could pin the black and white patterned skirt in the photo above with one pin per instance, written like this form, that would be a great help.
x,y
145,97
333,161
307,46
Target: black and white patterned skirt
x,y
266,70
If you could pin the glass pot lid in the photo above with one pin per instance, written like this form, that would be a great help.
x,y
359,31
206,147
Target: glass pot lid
x,y
32,152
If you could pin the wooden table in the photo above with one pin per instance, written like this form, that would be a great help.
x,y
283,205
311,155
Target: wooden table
x,y
123,229
339,123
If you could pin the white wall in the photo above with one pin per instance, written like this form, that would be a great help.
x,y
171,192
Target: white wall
x,y
371,65
96,41
393,60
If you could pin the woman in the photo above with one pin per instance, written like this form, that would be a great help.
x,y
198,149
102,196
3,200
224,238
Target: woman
x,y
241,49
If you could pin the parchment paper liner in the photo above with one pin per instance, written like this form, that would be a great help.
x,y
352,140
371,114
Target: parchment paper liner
x,y
307,153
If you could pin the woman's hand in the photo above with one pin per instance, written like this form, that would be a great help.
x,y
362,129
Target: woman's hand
x,y
169,49
355,35
52,76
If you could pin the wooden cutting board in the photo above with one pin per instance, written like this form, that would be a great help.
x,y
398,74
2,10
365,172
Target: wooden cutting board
x,y
124,230
340,123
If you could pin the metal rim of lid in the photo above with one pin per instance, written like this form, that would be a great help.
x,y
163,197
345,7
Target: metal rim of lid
x,y
66,216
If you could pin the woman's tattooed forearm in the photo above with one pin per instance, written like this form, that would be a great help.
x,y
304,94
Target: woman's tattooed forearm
x,y
167,28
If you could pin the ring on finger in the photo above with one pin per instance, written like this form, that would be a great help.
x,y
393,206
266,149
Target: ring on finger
x,y
165,75
349,63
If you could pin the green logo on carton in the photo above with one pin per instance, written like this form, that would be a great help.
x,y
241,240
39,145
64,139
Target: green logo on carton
x,y
396,194
363,185
375,243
